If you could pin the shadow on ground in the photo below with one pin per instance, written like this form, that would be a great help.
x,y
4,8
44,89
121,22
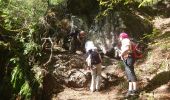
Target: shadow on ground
x,y
160,79
50,87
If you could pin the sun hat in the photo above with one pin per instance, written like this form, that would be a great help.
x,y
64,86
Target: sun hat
x,y
123,35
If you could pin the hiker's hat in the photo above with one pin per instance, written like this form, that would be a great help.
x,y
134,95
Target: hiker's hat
x,y
90,46
123,35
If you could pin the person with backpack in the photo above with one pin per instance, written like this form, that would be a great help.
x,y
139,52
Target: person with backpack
x,y
94,63
126,54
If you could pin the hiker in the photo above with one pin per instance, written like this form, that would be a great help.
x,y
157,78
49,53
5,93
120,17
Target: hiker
x,y
113,51
94,63
77,40
128,60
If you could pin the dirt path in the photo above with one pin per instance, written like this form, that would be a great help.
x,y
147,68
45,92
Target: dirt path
x,y
83,94
110,94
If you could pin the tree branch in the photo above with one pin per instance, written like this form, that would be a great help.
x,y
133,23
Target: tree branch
x,y
49,60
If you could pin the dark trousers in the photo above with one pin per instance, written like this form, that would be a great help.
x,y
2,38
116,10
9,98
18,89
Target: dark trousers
x,y
129,69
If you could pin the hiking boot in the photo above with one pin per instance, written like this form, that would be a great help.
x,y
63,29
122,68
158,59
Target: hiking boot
x,y
128,94
134,92
92,91
97,90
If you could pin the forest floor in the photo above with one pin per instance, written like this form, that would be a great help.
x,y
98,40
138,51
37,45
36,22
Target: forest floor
x,y
153,74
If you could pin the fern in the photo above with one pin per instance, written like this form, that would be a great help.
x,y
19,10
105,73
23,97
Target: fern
x,y
18,81
15,73
25,90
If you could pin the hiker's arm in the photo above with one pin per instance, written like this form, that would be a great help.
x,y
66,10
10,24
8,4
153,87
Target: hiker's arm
x,y
78,38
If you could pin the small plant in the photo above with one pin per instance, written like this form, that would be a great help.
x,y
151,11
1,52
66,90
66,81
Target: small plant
x,y
123,85
121,65
26,90
165,47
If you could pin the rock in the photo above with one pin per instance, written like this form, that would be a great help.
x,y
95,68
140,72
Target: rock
x,y
72,73
77,78
79,52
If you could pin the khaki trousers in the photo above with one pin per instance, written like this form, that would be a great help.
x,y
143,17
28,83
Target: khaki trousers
x,y
96,77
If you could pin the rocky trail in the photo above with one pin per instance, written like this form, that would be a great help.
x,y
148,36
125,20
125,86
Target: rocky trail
x,y
68,78
75,81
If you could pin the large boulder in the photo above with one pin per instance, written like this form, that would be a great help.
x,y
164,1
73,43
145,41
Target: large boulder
x,y
78,78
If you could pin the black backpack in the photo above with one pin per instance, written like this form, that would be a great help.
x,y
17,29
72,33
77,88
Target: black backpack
x,y
95,57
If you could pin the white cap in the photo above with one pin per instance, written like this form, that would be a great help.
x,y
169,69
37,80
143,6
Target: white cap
x,y
89,46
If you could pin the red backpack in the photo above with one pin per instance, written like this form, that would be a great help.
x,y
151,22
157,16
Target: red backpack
x,y
137,52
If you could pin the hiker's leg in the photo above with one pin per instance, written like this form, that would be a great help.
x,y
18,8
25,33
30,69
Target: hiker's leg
x,y
130,86
129,90
130,76
130,70
98,78
93,83
134,86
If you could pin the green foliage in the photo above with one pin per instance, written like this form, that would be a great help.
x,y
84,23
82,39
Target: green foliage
x,y
19,80
144,2
38,76
21,14
20,19
165,47
108,5
17,77
123,85
56,2
151,36
26,90
121,65
30,47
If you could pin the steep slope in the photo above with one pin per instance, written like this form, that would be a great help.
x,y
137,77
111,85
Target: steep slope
x,y
154,71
